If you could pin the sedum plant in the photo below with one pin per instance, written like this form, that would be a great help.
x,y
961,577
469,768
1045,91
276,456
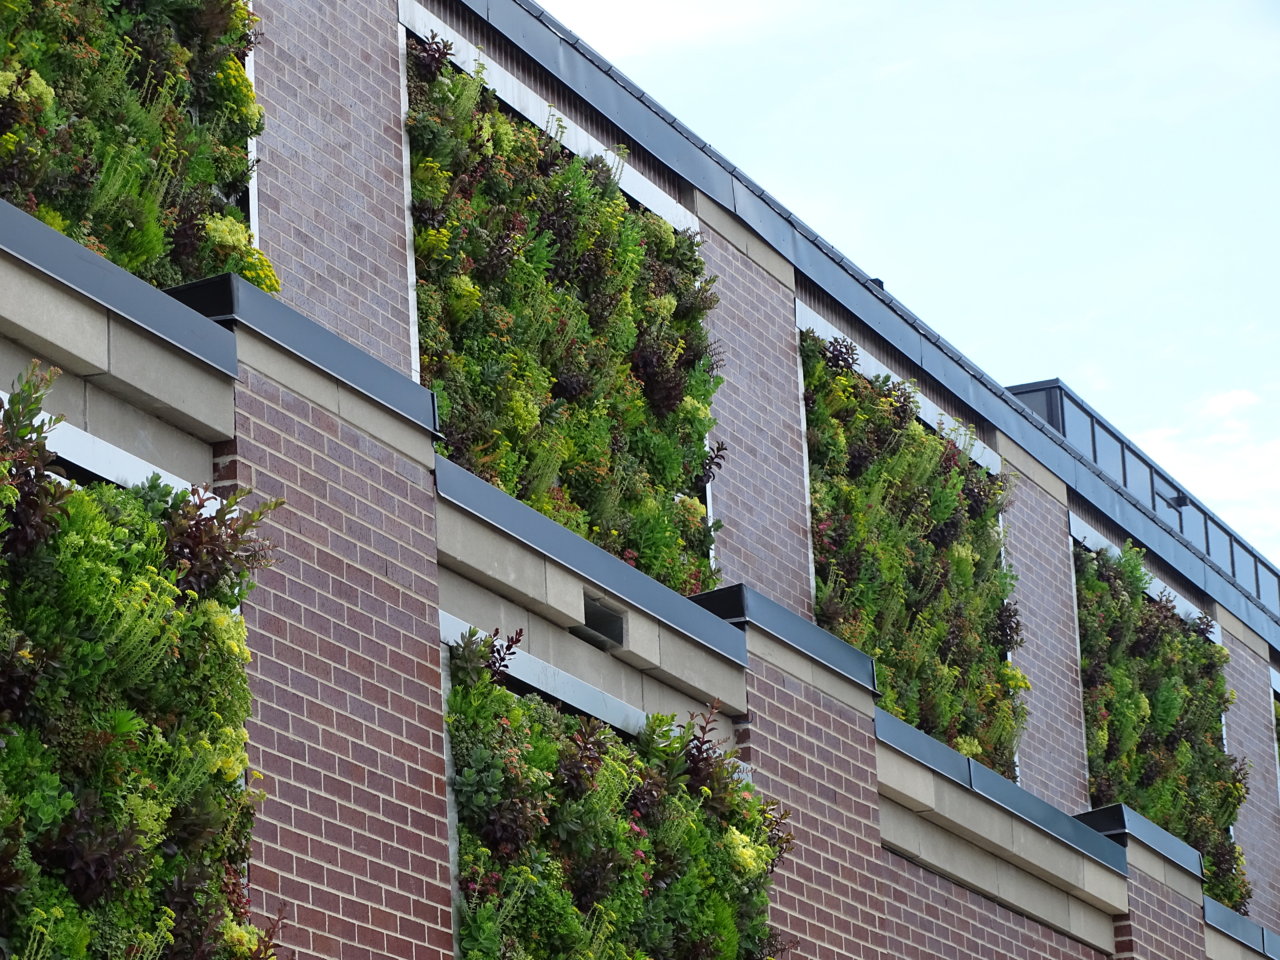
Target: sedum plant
x,y
573,842
561,328
125,816
124,125
1155,692
906,542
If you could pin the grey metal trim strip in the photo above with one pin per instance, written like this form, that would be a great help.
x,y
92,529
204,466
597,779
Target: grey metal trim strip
x,y
230,299
940,758
27,239
566,57
1242,929
918,745
1120,822
740,605
527,525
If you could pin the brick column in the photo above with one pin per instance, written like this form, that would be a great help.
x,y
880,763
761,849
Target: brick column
x,y
331,181
348,724
1051,757
1250,734
1166,903
762,493
1162,923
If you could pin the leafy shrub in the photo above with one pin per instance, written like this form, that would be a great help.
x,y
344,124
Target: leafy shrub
x,y
573,842
906,543
125,126
124,815
561,328
1155,692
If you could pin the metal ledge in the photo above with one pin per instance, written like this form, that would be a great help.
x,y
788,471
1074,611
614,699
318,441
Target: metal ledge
x,y
588,561
1241,929
972,775
740,605
27,239
230,299
1121,823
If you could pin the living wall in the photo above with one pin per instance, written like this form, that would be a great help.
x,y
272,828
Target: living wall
x,y
561,328
124,124
124,815
1155,693
575,843
906,544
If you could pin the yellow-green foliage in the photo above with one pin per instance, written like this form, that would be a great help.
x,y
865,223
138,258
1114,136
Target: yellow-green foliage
x,y
575,843
125,126
124,812
561,328
906,542
1155,692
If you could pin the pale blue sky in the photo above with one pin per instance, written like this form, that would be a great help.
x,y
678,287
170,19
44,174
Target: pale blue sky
x,y
1084,190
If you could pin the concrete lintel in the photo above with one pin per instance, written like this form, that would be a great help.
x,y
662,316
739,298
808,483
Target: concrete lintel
x,y
745,239
1030,469
975,819
941,850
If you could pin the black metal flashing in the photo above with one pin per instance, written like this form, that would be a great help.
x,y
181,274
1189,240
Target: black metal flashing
x,y
970,774
27,239
918,745
1270,943
1121,823
740,605
1241,929
562,54
590,562
230,300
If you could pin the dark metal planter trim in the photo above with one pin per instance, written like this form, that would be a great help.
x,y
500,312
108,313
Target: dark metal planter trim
x,y
1120,823
590,562
970,774
740,605
230,299
120,292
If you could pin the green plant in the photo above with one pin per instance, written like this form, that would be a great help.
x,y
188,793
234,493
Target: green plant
x,y
907,541
576,843
124,812
125,126
1155,693
561,327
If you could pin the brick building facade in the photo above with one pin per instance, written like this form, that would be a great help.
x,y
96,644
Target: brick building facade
x,y
904,848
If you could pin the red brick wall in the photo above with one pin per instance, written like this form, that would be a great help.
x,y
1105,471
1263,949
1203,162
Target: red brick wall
x,y
841,894
817,756
1251,735
1160,925
331,183
932,917
348,723
762,493
1051,759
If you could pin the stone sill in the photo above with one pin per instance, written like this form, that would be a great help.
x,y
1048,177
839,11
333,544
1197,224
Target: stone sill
x,y
497,543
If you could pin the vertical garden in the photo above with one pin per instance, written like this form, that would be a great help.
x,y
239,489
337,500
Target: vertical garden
x,y
125,125
907,556
574,842
561,328
1155,693
125,814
